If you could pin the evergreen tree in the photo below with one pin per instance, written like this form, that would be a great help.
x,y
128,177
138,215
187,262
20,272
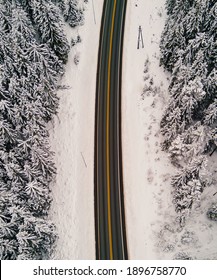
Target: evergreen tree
x,y
188,51
74,15
61,5
33,48
47,20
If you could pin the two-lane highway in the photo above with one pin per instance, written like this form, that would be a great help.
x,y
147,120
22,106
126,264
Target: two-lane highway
x,y
109,198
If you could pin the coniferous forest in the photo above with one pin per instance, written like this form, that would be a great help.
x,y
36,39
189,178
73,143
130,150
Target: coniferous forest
x,y
33,52
189,52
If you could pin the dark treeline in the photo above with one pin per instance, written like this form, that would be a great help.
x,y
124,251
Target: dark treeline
x,y
33,51
189,52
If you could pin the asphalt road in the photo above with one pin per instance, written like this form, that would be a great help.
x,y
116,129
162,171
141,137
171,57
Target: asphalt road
x,y
109,198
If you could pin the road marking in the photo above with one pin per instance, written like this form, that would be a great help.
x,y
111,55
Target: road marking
x,y
107,135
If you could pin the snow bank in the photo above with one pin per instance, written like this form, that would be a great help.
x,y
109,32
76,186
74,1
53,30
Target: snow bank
x,y
72,139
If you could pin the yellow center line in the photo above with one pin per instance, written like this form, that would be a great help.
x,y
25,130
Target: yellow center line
x,y
107,134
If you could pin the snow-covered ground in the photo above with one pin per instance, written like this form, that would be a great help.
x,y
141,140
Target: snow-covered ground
x,y
151,231
72,139
146,167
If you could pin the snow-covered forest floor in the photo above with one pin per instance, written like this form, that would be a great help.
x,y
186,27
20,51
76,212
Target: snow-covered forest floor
x,y
150,214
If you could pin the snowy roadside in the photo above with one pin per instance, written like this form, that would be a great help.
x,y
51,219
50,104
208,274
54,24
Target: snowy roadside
x,y
72,139
146,168
150,215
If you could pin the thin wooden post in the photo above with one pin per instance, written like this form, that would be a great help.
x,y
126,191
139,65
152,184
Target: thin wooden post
x,y
140,38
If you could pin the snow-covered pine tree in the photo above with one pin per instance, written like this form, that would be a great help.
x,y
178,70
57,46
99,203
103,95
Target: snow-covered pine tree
x,y
29,74
49,24
5,16
188,50
61,4
170,4
211,115
193,142
188,185
74,15
35,238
